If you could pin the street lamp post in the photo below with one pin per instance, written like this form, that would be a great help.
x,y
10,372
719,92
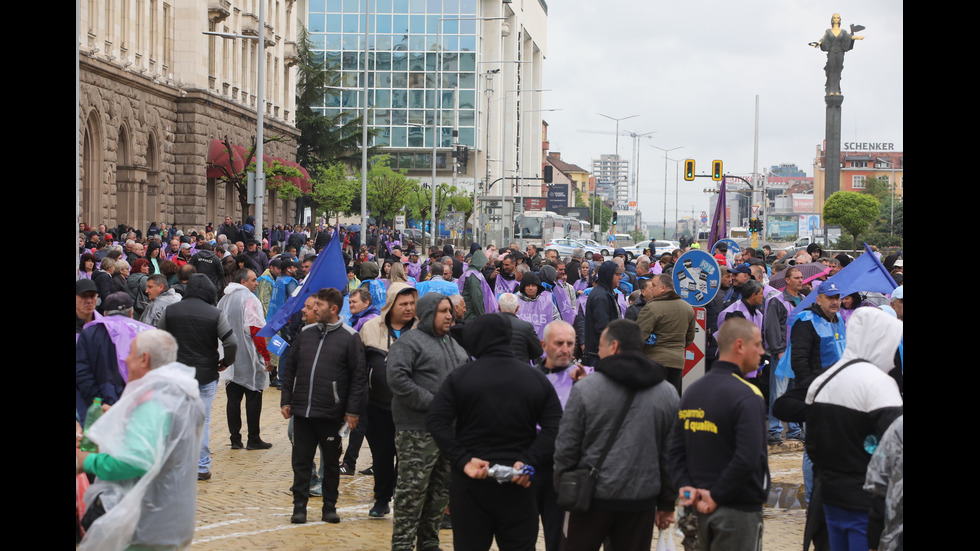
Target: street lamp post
x,y
665,182
259,115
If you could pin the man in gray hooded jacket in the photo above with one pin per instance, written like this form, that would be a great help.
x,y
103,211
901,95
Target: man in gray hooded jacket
x,y
418,362
633,490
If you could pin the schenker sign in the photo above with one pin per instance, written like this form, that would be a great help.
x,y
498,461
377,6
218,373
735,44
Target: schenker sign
x,y
869,146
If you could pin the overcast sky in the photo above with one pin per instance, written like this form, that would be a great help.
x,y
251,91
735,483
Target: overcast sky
x,y
691,71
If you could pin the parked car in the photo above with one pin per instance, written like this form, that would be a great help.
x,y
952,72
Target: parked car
x,y
565,247
662,247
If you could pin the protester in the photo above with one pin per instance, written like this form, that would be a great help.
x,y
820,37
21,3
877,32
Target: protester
x,y
148,444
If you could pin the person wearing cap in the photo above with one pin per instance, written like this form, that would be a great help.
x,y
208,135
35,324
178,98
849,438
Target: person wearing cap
x,y
898,302
740,274
258,256
100,352
183,255
86,295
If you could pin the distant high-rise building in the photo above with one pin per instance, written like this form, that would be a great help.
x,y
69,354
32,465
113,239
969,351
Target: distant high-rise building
x,y
614,170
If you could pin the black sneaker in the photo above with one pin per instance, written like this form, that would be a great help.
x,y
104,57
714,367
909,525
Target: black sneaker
x,y
237,445
258,445
331,516
379,510
447,522
775,440
206,475
801,437
368,471
346,470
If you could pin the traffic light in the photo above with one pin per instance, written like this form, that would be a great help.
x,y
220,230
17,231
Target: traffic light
x,y
689,170
716,170
465,154
615,217
549,174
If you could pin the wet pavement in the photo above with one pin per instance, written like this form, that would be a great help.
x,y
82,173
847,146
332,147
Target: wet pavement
x,y
247,504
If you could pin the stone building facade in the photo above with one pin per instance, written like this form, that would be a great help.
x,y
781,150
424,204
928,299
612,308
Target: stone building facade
x,y
155,91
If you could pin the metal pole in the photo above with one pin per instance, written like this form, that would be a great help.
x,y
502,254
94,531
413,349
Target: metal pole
x,y
364,125
260,130
436,137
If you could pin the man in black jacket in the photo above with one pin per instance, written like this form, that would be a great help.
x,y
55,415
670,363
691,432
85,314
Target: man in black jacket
x,y
324,386
486,413
525,345
197,324
601,308
718,454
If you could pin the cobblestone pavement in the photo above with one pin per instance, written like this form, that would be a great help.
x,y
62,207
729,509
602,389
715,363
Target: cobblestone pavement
x,y
247,504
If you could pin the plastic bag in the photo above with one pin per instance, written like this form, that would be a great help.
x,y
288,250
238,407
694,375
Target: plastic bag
x,y
665,542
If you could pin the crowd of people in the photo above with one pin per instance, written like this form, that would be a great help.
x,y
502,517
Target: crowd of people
x,y
494,386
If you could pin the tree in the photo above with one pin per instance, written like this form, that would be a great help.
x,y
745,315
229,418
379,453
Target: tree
x,y
387,191
596,208
855,212
277,175
448,198
332,191
324,140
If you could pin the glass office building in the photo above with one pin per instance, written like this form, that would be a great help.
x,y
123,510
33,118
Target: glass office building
x,y
404,78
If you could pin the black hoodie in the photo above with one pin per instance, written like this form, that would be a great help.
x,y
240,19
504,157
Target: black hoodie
x,y
601,307
496,403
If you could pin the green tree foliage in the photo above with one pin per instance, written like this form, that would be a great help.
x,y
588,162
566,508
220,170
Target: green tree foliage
x,y
324,140
277,175
596,206
448,198
387,191
854,212
333,190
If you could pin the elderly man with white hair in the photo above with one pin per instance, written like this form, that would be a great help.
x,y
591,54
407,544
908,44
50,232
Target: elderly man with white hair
x,y
527,346
148,449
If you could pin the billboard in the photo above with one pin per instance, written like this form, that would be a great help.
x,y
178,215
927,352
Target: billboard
x,y
782,228
557,196
535,203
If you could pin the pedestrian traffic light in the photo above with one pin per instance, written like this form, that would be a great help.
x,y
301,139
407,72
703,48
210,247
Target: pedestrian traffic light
x,y
689,170
716,170
615,217
466,154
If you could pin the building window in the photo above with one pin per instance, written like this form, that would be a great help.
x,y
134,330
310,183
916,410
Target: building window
x,y
859,164
857,182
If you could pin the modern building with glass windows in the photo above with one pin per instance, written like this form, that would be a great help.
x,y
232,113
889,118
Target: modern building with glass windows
x,y
475,63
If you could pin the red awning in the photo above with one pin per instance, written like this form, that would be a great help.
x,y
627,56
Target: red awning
x,y
218,159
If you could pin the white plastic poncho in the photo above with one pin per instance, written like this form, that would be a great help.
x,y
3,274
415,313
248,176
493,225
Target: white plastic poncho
x,y
244,310
157,508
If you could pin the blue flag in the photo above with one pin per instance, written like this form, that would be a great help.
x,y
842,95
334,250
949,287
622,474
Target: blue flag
x,y
864,274
327,271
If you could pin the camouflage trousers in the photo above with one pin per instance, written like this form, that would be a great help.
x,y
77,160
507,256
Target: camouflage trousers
x,y
421,493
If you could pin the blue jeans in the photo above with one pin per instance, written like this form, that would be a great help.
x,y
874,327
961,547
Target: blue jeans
x,y
807,477
777,387
847,530
207,396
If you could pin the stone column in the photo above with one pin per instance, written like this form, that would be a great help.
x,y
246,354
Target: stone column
x,y
832,150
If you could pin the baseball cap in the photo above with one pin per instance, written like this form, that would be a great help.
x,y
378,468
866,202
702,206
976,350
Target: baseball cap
x,y
829,288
